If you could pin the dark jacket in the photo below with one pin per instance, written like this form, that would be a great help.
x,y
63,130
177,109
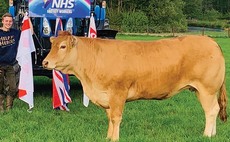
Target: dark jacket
x,y
9,46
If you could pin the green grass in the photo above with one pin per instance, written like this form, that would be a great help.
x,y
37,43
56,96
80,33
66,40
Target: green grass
x,y
179,118
149,36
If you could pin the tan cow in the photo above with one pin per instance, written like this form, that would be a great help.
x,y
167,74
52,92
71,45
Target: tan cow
x,y
115,71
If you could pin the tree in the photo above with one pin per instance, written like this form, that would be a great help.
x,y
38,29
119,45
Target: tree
x,y
193,9
207,5
166,15
3,7
134,22
169,14
222,6
135,5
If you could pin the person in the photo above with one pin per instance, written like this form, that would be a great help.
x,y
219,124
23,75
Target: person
x,y
9,67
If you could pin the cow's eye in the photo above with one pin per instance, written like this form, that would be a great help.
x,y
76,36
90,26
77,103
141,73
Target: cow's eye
x,y
62,47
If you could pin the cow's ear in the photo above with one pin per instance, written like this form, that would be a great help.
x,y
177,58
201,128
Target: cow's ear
x,y
52,39
74,41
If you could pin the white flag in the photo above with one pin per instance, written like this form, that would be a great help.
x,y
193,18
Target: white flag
x,y
92,28
91,34
26,46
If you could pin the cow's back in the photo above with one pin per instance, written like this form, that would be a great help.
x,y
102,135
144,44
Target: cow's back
x,y
156,69
139,54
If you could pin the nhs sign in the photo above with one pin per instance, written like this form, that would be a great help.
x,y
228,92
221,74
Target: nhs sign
x,y
59,8
63,4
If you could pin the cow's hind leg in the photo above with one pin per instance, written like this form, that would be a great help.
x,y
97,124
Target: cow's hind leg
x,y
211,108
110,127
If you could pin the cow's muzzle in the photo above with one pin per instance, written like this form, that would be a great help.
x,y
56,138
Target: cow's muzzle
x,y
45,64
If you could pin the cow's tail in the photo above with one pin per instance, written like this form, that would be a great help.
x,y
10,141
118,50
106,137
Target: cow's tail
x,y
222,100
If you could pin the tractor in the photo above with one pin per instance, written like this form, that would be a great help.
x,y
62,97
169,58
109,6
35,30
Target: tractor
x,y
74,14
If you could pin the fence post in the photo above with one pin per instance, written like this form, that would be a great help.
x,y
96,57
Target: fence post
x,y
203,31
147,29
228,32
173,31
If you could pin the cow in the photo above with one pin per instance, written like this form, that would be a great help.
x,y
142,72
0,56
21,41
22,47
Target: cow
x,y
113,72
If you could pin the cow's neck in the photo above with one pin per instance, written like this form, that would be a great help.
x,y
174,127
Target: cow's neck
x,y
86,58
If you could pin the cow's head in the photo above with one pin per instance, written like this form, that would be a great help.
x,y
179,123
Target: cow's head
x,y
61,53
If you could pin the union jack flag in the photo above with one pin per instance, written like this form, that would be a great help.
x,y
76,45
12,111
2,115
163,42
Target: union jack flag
x,y
61,90
58,26
61,85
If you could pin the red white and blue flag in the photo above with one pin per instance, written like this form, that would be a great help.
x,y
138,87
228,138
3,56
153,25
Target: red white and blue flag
x,y
61,90
25,48
92,33
58,26
60,82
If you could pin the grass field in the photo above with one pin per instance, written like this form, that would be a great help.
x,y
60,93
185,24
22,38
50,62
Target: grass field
x,y
178,119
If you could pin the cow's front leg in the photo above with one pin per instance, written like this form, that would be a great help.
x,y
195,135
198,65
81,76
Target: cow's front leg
x,y
114,114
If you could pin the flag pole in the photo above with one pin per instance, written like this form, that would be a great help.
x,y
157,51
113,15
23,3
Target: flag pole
x,y
92,33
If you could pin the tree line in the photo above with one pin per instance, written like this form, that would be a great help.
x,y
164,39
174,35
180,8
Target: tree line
x,y
190,8
167,15
162,16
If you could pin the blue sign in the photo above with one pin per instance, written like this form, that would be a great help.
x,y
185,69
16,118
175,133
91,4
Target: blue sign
x,y
59,8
